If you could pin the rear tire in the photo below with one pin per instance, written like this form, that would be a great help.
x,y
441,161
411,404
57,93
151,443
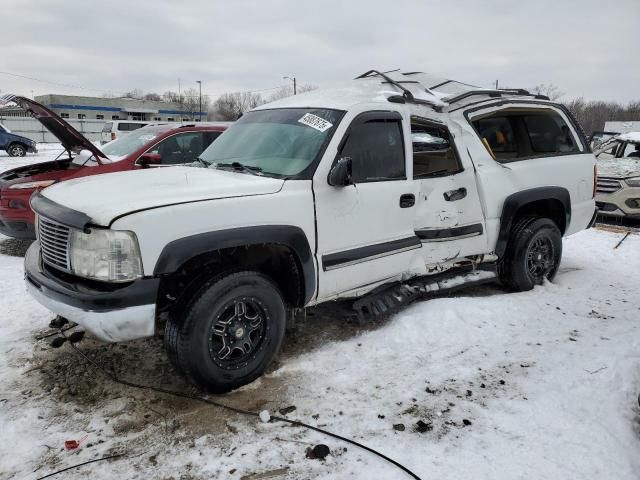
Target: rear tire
x,y
230,331
16,150
533,254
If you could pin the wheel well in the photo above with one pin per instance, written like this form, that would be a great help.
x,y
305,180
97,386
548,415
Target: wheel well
x,y
553,203
276,261
550,208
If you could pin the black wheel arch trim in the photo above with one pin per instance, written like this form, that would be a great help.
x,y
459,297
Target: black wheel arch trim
x,y
453,233
178,252
516,201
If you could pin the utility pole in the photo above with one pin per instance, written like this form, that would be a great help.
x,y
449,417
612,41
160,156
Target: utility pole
x,y
496,84
199,82
293,79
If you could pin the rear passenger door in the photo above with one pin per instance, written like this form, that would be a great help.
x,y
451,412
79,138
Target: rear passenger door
x,y
449,219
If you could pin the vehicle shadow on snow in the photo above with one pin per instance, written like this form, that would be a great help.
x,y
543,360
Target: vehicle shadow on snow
x,y
14,247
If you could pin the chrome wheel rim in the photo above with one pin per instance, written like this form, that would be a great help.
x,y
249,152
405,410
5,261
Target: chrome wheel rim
x,y
17,151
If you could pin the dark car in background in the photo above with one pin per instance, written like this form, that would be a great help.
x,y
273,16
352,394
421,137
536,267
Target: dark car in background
x,y
150,146
15,145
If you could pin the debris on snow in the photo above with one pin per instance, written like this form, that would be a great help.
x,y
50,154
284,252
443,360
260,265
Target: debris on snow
x,y
264,416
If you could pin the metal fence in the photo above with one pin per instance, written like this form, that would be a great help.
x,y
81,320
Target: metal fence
x,y
33,129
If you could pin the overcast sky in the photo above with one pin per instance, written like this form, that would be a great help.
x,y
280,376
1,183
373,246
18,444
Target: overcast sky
x,y
587,48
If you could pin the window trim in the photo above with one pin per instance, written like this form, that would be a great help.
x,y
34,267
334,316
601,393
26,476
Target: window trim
x,y
566,116
431,123
363,118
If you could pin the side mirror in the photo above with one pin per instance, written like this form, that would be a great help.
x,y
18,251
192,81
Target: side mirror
x,y
340,173
150,159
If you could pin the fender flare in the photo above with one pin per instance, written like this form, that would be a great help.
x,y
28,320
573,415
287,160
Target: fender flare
x,y
516,201
178,252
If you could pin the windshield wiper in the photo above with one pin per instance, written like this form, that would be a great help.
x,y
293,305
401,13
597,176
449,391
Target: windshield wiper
x,y
240,167
201,163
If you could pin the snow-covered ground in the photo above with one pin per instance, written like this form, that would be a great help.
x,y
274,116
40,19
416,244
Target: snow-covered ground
x,y
534,385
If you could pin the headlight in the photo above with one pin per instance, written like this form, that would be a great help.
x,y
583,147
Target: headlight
x,y
633,182
24,186
105,255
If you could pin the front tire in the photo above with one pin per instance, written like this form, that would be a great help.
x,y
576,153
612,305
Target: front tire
x,y
533,254
230,331
16,150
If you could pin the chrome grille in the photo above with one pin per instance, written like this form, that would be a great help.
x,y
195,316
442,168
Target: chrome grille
x,y
54,243
608,185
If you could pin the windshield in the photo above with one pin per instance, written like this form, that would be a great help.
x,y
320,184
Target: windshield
x,y
127,144
281,142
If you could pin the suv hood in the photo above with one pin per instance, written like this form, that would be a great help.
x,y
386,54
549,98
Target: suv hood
x,y
69,137
106,197
619,168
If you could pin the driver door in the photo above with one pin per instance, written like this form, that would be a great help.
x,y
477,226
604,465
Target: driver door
x,y
365,230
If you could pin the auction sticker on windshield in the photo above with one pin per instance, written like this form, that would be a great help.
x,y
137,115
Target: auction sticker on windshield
x,y
313,121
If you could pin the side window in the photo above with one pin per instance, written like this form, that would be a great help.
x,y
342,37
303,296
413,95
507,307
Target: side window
x,y
433,152
548,133
376,151
181,148
497,134
208,139
513,134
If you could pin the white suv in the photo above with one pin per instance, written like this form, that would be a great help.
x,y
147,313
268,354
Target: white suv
x,y
385,190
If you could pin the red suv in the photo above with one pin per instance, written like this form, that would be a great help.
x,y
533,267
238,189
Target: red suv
x,y
159,145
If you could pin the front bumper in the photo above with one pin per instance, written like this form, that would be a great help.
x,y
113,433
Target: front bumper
x,y
113,314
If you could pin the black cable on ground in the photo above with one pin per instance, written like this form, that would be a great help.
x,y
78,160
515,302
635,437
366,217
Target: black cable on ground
x,y
240,411
80,465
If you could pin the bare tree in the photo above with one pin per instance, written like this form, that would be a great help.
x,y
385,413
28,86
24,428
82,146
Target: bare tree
x,y
548,89
231,106
592,115
287,91
136,93
191,102
154,97
171,96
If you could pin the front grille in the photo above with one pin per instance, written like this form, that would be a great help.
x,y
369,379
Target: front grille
x,y
54,243
608,185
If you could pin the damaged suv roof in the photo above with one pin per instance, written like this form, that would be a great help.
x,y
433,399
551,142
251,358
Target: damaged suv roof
x,y
440,93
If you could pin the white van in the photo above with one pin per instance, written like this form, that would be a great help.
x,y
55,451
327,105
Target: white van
x,y
112,130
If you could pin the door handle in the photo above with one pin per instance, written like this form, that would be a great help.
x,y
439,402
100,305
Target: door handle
x,y
453,195
407,200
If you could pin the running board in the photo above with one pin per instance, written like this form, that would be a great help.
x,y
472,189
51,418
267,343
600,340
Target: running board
x,y
391,298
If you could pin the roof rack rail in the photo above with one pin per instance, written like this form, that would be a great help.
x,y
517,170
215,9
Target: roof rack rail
x,y
495,93
407,96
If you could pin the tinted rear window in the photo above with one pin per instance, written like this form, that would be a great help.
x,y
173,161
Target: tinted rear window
x,y
127,127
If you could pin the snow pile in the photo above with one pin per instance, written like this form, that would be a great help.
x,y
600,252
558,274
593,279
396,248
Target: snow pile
x,y
485,385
